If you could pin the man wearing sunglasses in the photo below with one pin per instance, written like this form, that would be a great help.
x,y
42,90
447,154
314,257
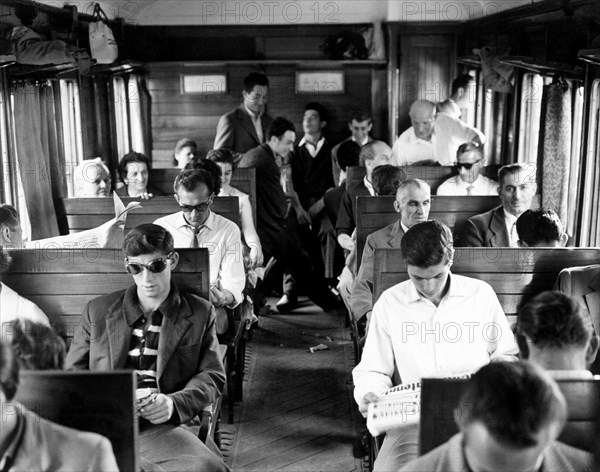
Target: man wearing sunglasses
x,y
469,181
168,337
197,226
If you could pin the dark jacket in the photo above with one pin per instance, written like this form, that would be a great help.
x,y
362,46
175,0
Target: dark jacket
x,y
485,230
235,130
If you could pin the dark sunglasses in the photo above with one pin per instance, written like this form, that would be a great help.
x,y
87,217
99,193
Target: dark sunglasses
x,y
156,266
200,208
467,166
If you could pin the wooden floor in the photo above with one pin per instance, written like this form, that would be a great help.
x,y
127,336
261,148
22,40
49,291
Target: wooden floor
x,y
298,413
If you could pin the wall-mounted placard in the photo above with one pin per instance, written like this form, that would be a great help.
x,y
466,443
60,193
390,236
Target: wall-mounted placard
x,y
204,83
321,82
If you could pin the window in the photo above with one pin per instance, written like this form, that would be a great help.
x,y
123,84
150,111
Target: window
x,y
532,88
71,129
575,168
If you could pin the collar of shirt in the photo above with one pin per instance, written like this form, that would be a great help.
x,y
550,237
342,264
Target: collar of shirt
x,y
310,147
455,290
133,311
404,227
13,447
369,186
464,185
413,139
209,223
570,374
509,220
253,116
363,142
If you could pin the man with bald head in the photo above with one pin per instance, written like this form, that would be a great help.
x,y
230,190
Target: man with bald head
x,y
432,138
413,202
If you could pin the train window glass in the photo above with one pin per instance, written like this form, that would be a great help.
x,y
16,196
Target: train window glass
x,y
5,192
120,93
469,112
532,88
71,129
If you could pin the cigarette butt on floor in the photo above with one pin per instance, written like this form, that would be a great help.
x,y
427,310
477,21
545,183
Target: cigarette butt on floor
x,y
320,347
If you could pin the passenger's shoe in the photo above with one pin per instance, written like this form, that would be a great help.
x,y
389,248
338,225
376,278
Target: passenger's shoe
x,y
288,302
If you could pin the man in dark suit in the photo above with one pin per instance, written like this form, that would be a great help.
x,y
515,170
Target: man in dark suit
x,y
246,127
498,227
413,202
168,337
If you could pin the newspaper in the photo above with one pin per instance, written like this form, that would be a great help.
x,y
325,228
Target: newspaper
x,y
107,235
399,406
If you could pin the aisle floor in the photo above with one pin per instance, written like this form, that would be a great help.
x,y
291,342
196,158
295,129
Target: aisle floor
x,y
298,413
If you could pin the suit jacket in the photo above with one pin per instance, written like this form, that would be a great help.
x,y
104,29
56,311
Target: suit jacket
x,y
485,230
48,446
346,219
362,292
189,368
235,130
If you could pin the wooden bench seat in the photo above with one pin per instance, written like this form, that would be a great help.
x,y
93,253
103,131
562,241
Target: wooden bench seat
x,y
80,214
512,272
242,179
374,213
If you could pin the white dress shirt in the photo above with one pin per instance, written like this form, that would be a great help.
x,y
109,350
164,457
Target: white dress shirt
x,y
410,333
223,240
310,147
448,134
13,306
457,186
510,221
369,186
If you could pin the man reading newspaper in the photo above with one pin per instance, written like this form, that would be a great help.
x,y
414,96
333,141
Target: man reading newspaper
x,y
434,324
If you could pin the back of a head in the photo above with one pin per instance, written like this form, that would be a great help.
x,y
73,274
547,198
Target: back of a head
x,y
9,371
386,179
540,228
553,320
427,244
199,171
514,401
348,154
130,158
320,109
8,216
370,150
278,127
35,345
146,239
253,79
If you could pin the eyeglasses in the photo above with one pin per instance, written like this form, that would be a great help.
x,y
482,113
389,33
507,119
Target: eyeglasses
x,y
466,165
156,266
200,208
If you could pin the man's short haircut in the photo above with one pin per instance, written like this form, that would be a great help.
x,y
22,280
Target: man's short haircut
x,y
9,371
253,79
80,173
278,127
369,151
360,116
8,216
199,171
35,345
462,81
130,158
427,244
320,109
146,239
183,143
538,226
513,400
386,179
416,182
553,320
468,147
221,156
348,154
509,169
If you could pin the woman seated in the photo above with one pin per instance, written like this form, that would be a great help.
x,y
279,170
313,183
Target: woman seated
x,y
92,179
12,305
184,152
134,170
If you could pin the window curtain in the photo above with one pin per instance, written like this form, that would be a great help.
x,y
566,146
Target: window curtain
x,y
38,156
139,114
555,149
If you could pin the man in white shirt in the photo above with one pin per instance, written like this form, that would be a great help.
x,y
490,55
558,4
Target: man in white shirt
x,y
462,90
197,226
360,126
434,324
432,138
498,227
469,181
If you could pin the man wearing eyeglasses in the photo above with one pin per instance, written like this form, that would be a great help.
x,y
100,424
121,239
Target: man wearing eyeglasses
x,y
469,181
197,226
168,337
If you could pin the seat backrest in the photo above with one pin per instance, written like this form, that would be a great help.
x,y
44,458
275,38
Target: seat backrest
x,y
513,273
62,281
87,213
439,398
374,213
433,175
99,402
242,179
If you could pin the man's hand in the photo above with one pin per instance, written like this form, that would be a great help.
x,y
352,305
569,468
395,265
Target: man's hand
x,y
220,296
256,255
303,216
316,208
346,242
364,404
159,410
